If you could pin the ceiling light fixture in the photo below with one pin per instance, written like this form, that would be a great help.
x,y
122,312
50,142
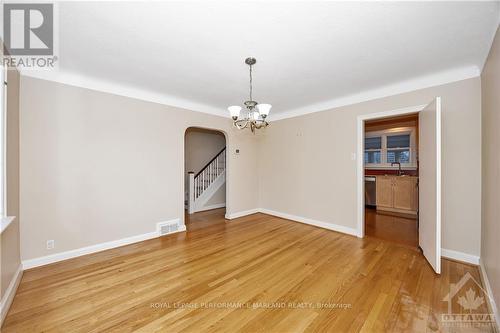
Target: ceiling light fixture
x,y
255,114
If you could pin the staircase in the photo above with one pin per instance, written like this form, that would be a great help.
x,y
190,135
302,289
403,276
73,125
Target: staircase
x,y
206,183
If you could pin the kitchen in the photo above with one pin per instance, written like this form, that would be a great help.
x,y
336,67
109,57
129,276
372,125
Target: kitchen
x,y
391,179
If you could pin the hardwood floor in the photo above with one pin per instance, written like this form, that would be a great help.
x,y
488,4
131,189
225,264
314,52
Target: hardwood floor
x,y
402,230
254,274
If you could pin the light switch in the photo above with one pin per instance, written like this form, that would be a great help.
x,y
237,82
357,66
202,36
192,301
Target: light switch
x,y
353,156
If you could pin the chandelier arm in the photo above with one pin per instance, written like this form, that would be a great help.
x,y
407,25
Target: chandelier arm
x,y
241,124
260,124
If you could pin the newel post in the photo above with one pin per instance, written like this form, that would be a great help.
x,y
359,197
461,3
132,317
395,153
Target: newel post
x,y
191,193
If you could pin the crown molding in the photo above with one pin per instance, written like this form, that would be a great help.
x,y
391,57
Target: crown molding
x,y
422,82
86,82
386,91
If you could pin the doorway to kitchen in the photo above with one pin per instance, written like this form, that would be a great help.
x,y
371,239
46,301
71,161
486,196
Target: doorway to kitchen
x,y
394,192
390,162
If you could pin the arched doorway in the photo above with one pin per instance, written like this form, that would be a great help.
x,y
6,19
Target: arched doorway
x,y
204,171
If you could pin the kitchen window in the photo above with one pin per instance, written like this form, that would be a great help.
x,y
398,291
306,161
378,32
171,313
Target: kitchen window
x,y
373,150
395,145
398,148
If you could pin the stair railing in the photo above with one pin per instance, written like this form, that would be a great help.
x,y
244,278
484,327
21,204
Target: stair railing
x,y
205,177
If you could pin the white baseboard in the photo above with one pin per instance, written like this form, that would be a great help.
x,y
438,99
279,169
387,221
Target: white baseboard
x,y
9,294
325,225
460,256
41,261
487,285
241,214
321,224
204,208
451,254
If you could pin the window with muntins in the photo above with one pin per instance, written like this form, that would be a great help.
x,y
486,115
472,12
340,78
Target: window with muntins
x,y
398,148
373,150
385,147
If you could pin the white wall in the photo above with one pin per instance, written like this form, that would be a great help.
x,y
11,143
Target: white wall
x,y
218,198
97,167
306,170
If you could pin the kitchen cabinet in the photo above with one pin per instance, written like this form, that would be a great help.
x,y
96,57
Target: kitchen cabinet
x,y
397,194
384,191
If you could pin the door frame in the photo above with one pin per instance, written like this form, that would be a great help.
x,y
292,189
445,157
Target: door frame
x,y
360,142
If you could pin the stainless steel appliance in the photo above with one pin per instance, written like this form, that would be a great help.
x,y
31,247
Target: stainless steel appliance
x,y
370,191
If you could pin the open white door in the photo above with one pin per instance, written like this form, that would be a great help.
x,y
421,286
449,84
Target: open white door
x,y
429,194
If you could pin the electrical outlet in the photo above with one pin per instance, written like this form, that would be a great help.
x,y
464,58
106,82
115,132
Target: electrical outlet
x,y
50,244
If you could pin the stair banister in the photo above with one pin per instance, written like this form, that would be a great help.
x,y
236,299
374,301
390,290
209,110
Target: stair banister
x,y
207,176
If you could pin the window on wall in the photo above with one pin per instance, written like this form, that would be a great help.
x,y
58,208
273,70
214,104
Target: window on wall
x,y
373,150
398,148
385,147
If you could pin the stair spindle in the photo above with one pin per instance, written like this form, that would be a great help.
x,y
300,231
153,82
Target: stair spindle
x,y
209,174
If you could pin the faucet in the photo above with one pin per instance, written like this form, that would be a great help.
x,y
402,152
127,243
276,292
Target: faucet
x,y
400,172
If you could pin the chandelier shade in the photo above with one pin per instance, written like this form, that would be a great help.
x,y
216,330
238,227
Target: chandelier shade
x,y
234,111
264,109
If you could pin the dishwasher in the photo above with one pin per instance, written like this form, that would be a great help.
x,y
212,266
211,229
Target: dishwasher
x,y
370,191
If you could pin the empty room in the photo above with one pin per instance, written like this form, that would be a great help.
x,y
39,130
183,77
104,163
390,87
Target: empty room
x,y
257,166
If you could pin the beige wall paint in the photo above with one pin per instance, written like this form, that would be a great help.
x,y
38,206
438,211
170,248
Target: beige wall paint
x,y
305,165
98,167
490,83
9,239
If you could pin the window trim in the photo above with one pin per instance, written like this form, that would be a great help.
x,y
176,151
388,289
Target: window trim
x,y
3,140
412,131
5,220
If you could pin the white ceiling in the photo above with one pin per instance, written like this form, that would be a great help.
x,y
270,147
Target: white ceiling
x,y
310,55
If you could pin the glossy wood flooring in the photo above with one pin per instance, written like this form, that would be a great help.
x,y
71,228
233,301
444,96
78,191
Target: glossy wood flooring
x,y
254,274
402,230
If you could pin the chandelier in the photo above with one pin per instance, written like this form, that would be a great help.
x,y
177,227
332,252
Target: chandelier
x,y
255,114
